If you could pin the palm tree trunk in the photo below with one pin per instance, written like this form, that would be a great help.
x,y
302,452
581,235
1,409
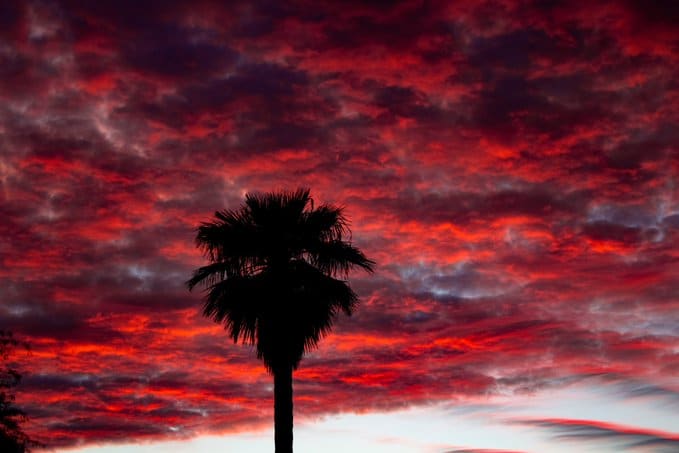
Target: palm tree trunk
x,y
282,395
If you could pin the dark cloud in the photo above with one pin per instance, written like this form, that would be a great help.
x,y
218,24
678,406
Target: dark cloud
x,y
663,12
606,231
463,208
175,52
621,438
12,16
510,166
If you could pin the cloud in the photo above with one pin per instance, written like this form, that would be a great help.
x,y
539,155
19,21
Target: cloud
x,y
620,437
482,450
510,165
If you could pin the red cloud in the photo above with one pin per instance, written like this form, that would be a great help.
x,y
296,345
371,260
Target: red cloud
x,y
512,168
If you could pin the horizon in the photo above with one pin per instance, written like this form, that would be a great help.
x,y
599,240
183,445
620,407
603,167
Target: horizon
x,y
512,166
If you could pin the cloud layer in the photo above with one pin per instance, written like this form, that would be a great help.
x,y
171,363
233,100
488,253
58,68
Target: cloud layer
x,y
512,166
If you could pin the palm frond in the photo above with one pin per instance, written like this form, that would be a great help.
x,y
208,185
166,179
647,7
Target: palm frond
x,y
325,223
272,274
338,257
281,208
232,238
302,315
237,303
208,275
315,293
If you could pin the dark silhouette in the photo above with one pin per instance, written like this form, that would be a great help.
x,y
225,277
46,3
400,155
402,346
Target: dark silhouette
x,y
12,438
276,279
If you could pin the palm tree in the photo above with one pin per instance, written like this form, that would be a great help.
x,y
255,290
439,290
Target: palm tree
x,y
276,278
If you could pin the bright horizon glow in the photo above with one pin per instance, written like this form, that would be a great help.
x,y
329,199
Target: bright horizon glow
x,y
441,427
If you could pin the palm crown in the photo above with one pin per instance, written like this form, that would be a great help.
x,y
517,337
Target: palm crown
x,y
277,273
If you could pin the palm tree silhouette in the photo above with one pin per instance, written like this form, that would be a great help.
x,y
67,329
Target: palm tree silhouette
x,y
276,278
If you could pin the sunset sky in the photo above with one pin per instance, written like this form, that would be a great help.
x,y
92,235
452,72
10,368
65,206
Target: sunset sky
x,y
511,165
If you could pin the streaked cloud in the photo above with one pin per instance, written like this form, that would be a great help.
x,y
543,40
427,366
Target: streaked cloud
x,y
511,166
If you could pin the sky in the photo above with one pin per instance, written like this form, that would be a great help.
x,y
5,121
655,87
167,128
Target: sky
x,y
512,166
